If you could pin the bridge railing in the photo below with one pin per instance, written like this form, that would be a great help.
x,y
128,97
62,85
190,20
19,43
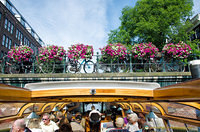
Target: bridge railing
x,y
100,65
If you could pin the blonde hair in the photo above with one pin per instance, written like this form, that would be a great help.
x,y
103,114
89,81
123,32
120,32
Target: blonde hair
x,y
59,114
33,123
133,117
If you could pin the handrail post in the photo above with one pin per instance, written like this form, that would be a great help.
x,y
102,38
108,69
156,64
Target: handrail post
x,y
131,68
64,65
33,64
97,63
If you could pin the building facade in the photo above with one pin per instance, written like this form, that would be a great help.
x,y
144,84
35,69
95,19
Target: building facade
x,y
196,27
15,30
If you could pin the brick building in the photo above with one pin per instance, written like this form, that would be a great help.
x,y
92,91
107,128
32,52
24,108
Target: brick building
x,y
15,30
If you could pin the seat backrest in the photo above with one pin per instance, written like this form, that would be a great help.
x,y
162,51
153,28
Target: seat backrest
x,y
95,117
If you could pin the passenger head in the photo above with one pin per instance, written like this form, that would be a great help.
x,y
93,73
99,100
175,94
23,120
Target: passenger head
x,y
63,121
59,115
93,107
46,118
52,117
69,117
133,118
18,125
119,122
65,128
78,118
33,123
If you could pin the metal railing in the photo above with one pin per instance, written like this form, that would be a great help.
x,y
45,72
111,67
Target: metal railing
x,y
98,64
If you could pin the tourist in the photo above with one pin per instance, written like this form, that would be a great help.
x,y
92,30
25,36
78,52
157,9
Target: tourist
x,y
132,125
20,126
34,125
119,123
47,125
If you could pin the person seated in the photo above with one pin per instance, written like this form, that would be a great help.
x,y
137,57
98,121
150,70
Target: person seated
x,y
59,116
20,126
119,123
64,126
34,125
132,125
76,126
48,125
147,128
95,118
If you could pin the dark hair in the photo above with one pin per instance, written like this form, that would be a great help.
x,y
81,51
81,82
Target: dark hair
x,y
78,117
65,128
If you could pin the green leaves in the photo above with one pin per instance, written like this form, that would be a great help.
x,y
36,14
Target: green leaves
x,y
154,21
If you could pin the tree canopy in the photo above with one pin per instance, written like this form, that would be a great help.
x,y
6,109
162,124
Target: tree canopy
x,y
154,21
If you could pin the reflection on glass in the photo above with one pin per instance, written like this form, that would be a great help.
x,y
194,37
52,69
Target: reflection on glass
x,y
8,109
178,126
181,110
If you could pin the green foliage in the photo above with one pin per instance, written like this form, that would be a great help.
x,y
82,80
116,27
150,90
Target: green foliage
x,y
155,21
119,36
195,46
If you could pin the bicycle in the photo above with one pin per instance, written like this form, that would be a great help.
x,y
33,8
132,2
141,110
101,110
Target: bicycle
x,y
47,67
174,66
74,66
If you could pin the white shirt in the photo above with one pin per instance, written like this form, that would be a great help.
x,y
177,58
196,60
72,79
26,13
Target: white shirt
x,y
51,127
132,127
36,130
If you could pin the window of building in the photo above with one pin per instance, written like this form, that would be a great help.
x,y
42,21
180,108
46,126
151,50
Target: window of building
x,y
6,23
12,27
8,5
10,44
17,32
198,32
9,26
3,40
7,41
21,39
19,35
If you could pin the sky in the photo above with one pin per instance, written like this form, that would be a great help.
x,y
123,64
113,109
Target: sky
x,y
68,22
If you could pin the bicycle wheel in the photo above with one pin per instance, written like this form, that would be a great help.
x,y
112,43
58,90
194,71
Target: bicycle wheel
x,y
89,67
14,69
47,67
73,67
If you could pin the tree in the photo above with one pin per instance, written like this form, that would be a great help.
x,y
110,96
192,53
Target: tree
x,y
157,20
119,36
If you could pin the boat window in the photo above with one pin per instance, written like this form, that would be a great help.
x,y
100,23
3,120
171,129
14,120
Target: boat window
x,y
8,109
137,108
181,110
36,107
48,108
178,126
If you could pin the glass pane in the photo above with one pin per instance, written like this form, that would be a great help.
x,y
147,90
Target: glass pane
x,y
155,109
137,108
181,110
8,109
178,126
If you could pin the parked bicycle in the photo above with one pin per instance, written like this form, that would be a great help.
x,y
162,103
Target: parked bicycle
x,y
74,66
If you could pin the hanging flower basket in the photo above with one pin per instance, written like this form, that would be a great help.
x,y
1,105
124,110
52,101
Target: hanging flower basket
x,y
180,50
113,52
51,53
80,51
144,50
20,54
